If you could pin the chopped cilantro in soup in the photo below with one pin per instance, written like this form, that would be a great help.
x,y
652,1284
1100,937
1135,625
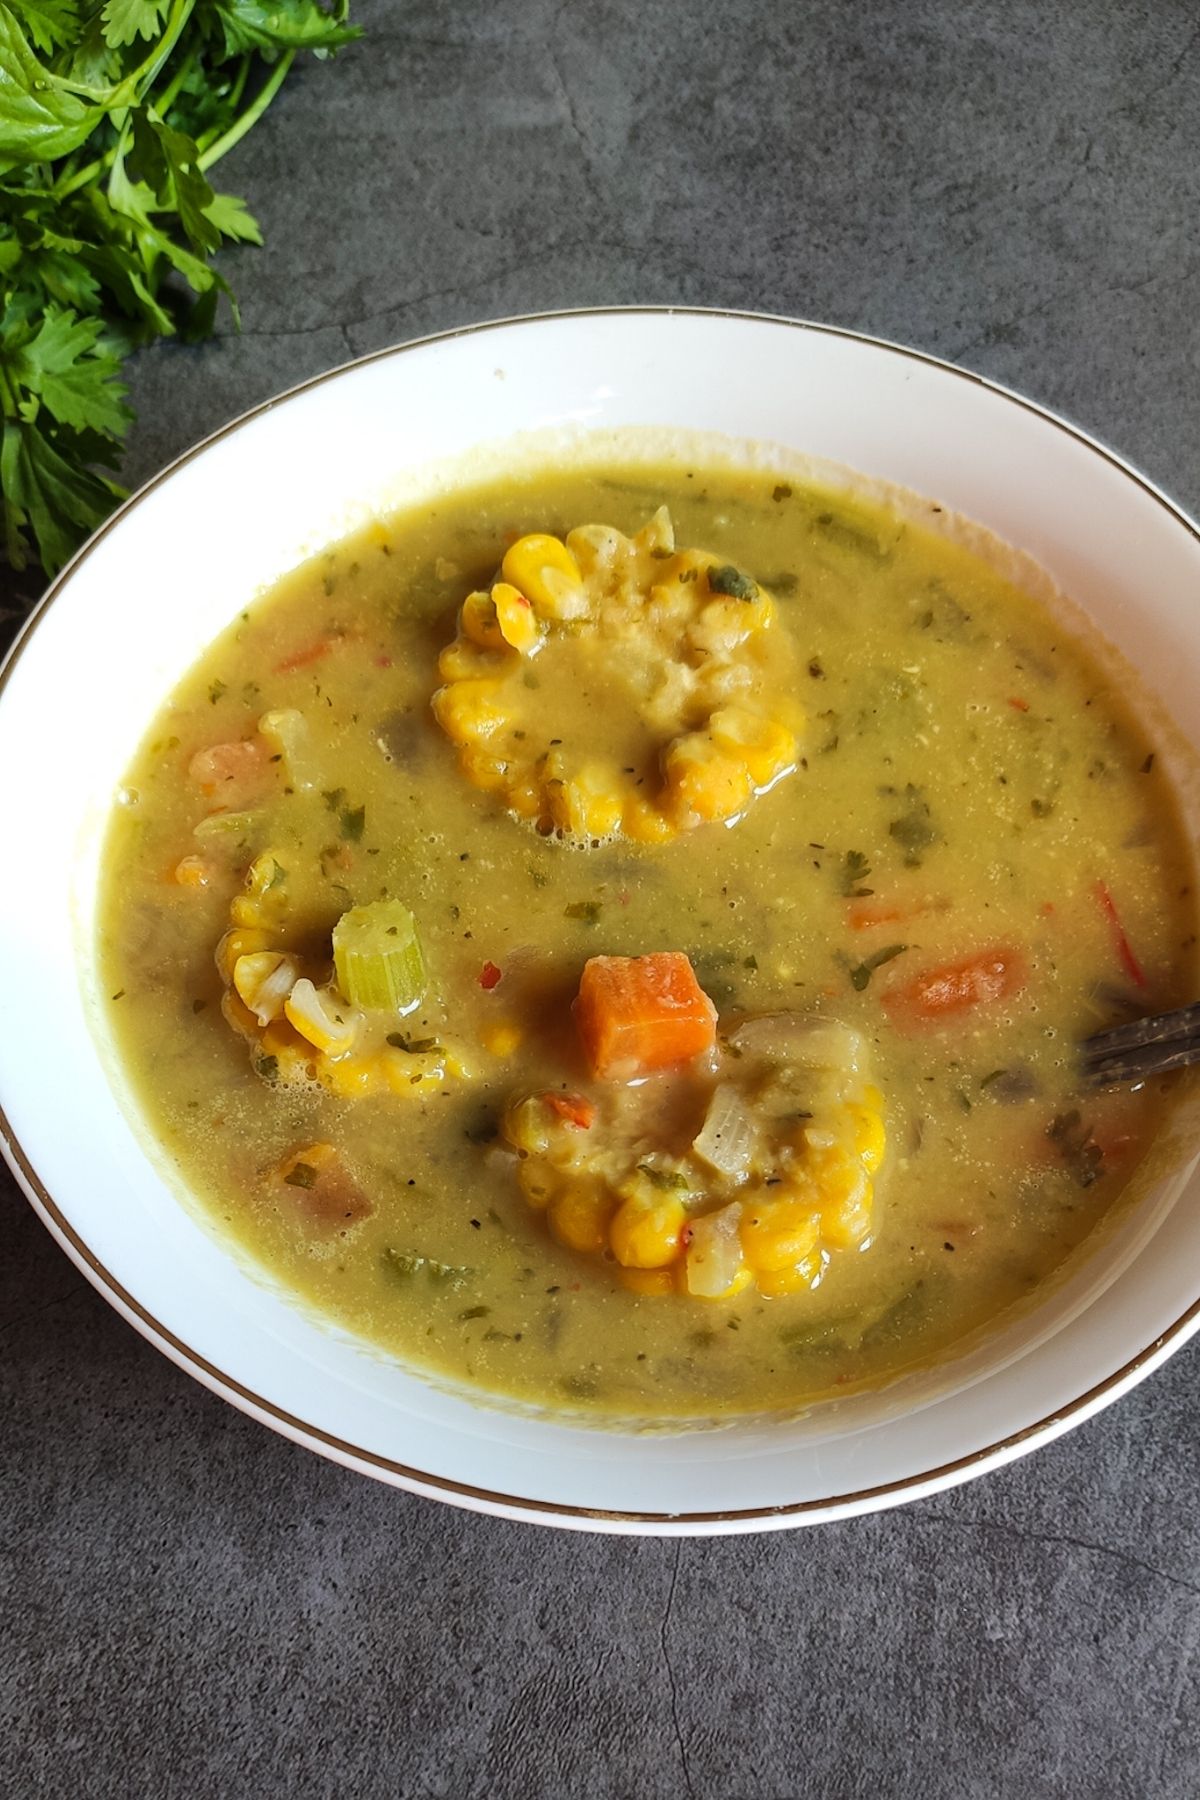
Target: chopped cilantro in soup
x,y
620,939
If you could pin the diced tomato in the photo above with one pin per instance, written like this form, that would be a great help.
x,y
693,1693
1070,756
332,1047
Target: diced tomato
x,y
640,1013
944,993
576,1109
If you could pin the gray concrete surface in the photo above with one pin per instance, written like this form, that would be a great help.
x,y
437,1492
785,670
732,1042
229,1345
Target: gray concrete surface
x,y
192,1607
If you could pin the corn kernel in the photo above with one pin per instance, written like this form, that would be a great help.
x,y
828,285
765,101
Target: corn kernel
x,y
644,823
702,782
322,1017
352,1077
264,980
502,1038
579,1219
237,943
766,748
795,1279
869,1135
461,660
281,1036
238,1014
409,1075
650,1282
777,1234
543,569
517,619
482,771
265,875
244,909
648,1234
479,621
589,804
469,710
538,1182
846,1217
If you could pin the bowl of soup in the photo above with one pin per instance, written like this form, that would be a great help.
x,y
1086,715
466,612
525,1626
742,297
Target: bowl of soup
x,y
568,865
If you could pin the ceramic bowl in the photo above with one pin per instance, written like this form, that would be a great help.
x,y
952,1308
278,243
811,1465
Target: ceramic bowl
x,y
143,598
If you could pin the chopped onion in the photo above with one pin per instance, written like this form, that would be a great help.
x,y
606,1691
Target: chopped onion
x,y
658,533
729,1136
810,1043
274,989
288,735
714,1254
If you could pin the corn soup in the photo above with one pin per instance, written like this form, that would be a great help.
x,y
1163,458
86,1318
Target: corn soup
x,y
620,939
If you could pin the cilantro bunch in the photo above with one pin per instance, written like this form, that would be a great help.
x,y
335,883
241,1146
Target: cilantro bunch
x,y
112,114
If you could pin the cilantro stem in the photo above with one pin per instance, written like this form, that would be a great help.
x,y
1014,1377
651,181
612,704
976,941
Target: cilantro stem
x,y
252,114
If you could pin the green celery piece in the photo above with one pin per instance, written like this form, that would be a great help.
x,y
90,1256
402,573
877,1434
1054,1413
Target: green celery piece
x,y
377,956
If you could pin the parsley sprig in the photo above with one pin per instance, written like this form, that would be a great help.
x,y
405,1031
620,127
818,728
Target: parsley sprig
x,y
112,114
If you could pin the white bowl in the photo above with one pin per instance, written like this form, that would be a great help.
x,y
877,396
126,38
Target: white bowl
x,y
156,584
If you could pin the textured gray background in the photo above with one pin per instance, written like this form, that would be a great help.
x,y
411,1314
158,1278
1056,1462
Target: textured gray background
x,y
192,1606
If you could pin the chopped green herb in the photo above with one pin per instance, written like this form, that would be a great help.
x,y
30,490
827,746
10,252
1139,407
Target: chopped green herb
x,y
726,579
914,830
750,962
414,1046
268,1068
587,910
1081,1155
861,975
666,1180
475,1312
855,870
841,531
1041,809
352,823
301,1175
333,798
112,118
404,1264
215,691
781,491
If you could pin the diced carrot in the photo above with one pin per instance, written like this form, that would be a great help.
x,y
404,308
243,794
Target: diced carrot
x,y
317,1183
305,657
954,988
576,1109
638,1013
1121,944
233,772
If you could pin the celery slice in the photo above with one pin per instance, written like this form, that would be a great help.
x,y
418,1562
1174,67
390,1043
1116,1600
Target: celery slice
x,y
377,956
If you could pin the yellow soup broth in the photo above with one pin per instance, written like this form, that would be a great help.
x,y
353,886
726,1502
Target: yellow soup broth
x,y
946,784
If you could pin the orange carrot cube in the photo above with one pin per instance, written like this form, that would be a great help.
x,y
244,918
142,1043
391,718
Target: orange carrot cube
x,y
640,1013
